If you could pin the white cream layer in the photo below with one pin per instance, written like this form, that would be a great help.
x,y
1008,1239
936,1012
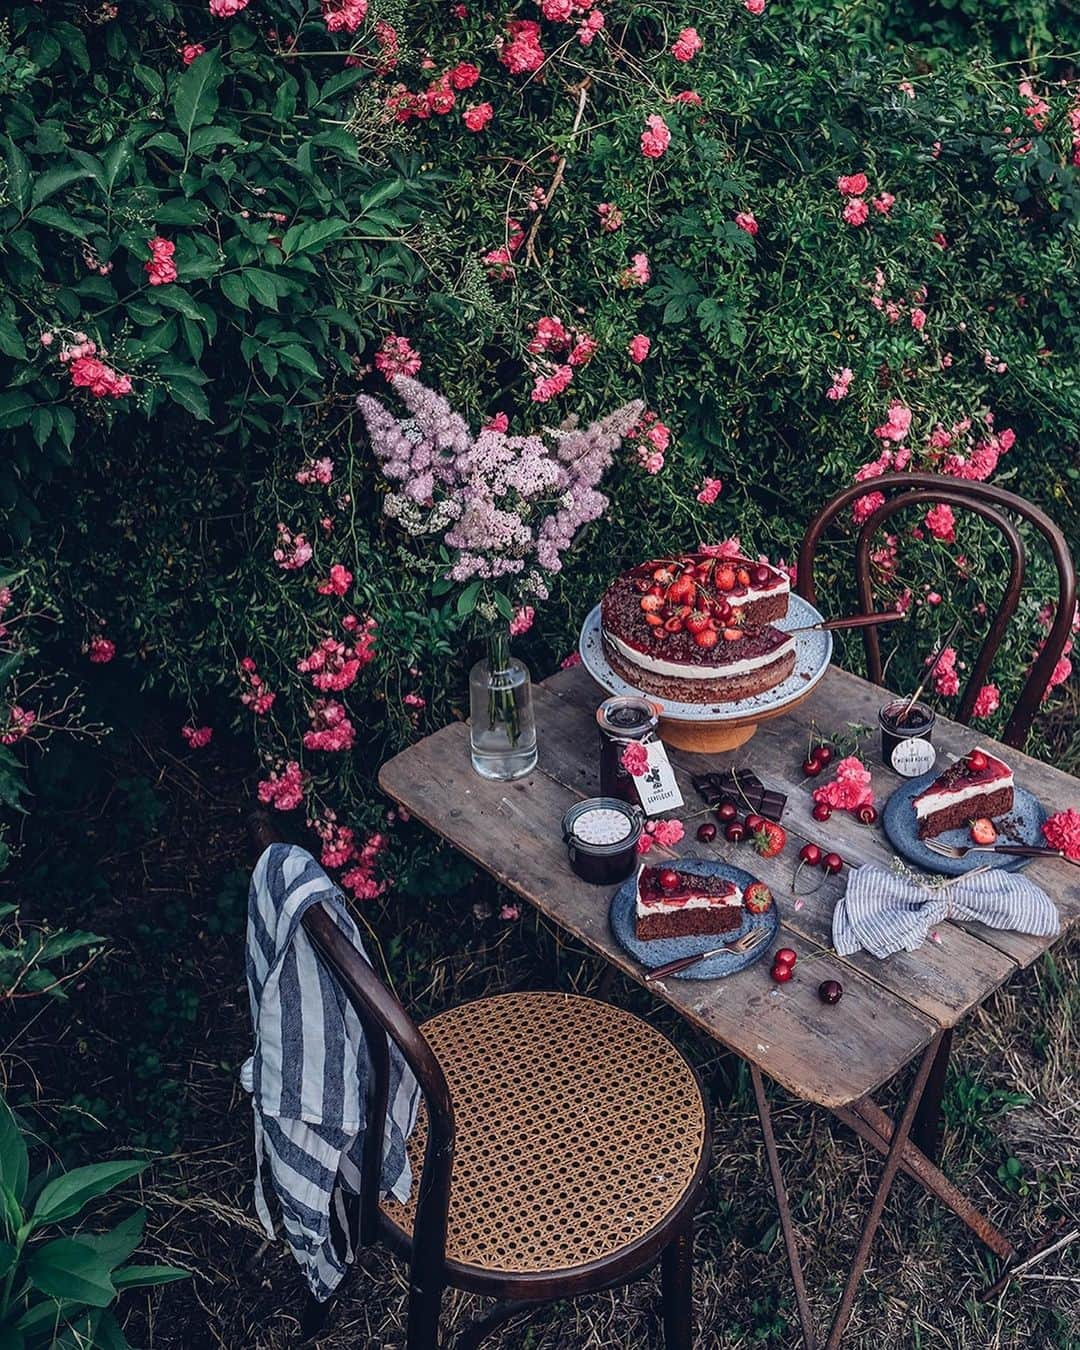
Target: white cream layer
x,y
759,593
683,670
941,800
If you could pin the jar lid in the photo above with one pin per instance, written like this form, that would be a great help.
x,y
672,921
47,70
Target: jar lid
x,y
604,810
628,715
911,727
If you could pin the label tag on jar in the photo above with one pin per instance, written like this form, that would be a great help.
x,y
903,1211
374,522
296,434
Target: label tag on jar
x,y
657,789
913,757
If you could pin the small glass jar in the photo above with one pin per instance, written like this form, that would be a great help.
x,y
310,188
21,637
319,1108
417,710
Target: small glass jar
x,y
621,722
601,835
907,746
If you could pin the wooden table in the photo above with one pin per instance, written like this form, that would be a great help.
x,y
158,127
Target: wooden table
x,y
892,1011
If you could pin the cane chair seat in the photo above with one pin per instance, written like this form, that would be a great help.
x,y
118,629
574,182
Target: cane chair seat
x,y
578,1128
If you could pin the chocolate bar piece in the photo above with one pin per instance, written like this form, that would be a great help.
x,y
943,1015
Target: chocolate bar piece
x,y
744,789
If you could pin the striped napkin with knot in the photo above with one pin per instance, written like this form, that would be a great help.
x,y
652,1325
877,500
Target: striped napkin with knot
x,y
883,912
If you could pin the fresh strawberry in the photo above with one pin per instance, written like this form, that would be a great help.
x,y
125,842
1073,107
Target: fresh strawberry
x,y
743,576
983,831
733,634
757,897
770,839
697,623
725,578
651,603
706,638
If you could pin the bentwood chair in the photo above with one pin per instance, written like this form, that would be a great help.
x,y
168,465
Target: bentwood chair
x,y
1002,509
561,1148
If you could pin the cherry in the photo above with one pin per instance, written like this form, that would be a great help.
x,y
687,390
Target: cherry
x,y
810,853
668,879
821,811
977,761
823,754
735,831
726,811
755,823
832,862
706,833
830,991
674,625
781,973
866,814
762,574
785,957
811,767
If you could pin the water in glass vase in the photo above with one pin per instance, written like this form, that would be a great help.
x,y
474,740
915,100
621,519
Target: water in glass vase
x,y
502,728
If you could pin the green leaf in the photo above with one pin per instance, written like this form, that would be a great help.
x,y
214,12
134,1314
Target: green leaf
x,y
312,236
66,1195
300,358
261,285
69,1269
384,192
175,297
503,605
15,409
116,1246
115,161
337,84
41,424
195,97
466,601
165,140
234,290
65,423
18,168
11,342
56,219
139,1277
8,1252
52,181
206,139
14,1162
192,398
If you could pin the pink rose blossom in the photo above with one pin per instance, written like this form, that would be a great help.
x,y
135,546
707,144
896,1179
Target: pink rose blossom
x,y
850,789
330,727
852,184
197,737
344,16
635,759
727,548
464,75
569,661
87,372
522,621
337,583
841,382
883,203
941,523
284,791
500,422
864,507
690,97
510,912
755,7
656,137
918,319
478,116
292,550
20,723
550,386
946,681
226,9
987,701
316,471
710,490
897,423
856,211
638,347
101,650
668,832
592,24
687,45
522,53
746,220
1062,831
396,357
639,271
191,51
611,217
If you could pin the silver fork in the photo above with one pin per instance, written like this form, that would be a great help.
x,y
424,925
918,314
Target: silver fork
x,y
747,943
1018,850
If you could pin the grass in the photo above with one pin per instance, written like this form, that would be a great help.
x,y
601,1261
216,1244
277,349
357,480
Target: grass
x,y
148,1049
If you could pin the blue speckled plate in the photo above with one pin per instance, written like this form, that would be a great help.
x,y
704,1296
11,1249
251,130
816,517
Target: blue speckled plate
x,y
1022,825
661,950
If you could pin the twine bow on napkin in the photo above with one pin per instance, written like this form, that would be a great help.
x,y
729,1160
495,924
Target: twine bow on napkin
x,y
883,912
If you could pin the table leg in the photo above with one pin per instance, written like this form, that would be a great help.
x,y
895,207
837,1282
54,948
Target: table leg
x,y
926,1131
806,1320
888,1175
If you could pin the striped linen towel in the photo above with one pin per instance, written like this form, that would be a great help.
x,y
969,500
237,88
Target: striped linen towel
x,y
883,912
309,1075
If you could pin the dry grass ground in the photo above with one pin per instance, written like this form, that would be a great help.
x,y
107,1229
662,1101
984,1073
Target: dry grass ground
x,y
1013,1094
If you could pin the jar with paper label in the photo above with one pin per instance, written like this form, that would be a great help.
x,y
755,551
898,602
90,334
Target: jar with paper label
x,y
623,722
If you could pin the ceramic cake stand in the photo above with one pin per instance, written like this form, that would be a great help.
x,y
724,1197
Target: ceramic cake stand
x,y
711,727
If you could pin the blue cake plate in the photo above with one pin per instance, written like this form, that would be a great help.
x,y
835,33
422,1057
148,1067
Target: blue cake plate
x,y
1022,825
659,951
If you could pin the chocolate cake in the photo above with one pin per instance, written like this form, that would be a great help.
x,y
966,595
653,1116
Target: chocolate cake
x,y
975,786
698,629
674,904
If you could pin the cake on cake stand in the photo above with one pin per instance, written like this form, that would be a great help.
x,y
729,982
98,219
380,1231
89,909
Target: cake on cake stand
x,y
708,728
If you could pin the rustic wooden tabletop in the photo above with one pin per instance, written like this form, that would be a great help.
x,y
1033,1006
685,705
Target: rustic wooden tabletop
x,y
891,1009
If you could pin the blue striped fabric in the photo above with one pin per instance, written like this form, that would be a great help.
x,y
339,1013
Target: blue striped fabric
x,y
309,1075
884,912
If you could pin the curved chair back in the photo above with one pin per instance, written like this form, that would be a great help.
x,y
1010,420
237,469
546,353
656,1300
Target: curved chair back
x,y
993,504
384,1020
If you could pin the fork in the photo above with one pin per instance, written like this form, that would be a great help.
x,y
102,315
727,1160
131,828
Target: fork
x,y
740,946
1020,850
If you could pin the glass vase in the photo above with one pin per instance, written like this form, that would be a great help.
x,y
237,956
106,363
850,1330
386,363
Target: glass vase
x,y
502,727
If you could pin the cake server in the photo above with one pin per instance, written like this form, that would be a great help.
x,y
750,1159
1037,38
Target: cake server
x,y
852,621
747,943
1020,850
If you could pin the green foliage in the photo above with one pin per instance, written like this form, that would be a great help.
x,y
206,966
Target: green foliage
x,y
58,1289
28,953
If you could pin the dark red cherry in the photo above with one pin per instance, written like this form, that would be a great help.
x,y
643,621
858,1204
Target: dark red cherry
x,y
668,878
755,823
823,754
830,991
866,814
726,811
977,761
810,853
821,811
781,973
706,833
832,862
811,768
735,831
761,574
786,956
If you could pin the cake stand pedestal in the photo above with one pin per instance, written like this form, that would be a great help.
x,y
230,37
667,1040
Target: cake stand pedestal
x,y
712,729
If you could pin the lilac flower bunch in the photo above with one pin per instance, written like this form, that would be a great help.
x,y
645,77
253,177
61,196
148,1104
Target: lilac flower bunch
x,y
507,506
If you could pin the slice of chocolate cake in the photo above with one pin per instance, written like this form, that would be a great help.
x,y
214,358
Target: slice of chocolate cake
x,y
977,785
673,904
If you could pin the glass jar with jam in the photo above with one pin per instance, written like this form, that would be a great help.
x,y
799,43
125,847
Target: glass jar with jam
x,y
907,737
623,721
